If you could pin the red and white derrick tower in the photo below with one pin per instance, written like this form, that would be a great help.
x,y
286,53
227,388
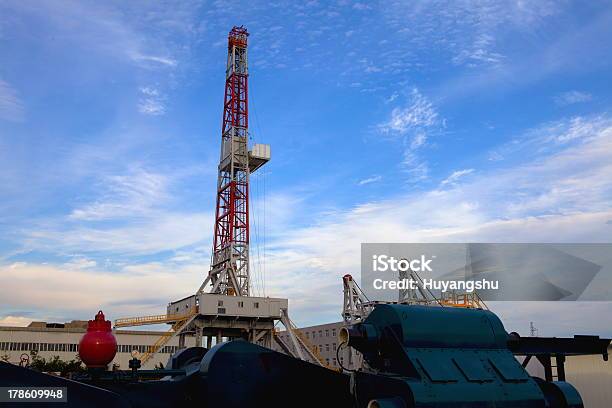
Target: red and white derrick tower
x,y
229,269
223,308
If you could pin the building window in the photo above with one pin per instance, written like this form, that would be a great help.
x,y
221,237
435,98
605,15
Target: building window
x,y
320,333
314,334
241,304
334,332
220,303
326,333
334,346
335,362
256,305
320,348
327,347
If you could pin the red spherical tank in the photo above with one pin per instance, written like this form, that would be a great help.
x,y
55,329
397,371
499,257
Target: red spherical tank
x,y
98,346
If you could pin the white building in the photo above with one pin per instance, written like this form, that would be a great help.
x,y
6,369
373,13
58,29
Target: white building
x,y
62,339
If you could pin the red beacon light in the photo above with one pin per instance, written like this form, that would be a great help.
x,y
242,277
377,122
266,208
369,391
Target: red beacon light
x,y
98,346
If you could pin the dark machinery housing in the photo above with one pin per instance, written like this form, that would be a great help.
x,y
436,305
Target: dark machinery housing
x,y
419,356
414,356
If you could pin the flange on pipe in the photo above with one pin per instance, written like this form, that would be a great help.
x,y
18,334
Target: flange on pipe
x,y
361,336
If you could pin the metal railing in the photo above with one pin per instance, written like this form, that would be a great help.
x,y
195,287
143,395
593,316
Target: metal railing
x,y
165,338
155,319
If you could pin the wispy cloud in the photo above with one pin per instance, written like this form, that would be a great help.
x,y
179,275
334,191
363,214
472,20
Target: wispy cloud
x,y
151,102
11,106
455,176
413,123
167,61
572,97
132,214
561,194
369,180
419,114
468,31
479,53
130,195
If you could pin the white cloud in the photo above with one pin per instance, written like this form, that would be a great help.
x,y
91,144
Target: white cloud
x,y
572,97
392,97
164,231
416,168
369,180
134,214
413,123
11,107
134,290
467,31
81,263
361,6
151,102
169,62
479,53
149,35
418,114
456,175
561,195
129,195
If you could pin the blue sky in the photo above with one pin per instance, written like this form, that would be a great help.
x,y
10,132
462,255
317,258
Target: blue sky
x,y
440,121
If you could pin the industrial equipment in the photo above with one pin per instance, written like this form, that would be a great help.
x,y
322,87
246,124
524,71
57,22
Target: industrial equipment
x,y
423,356
223,308
235,374
415,357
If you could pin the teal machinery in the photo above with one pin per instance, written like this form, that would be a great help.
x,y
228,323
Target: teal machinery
x,y
435,357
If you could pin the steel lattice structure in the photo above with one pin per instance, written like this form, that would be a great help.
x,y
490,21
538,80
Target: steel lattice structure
x,y
229,272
